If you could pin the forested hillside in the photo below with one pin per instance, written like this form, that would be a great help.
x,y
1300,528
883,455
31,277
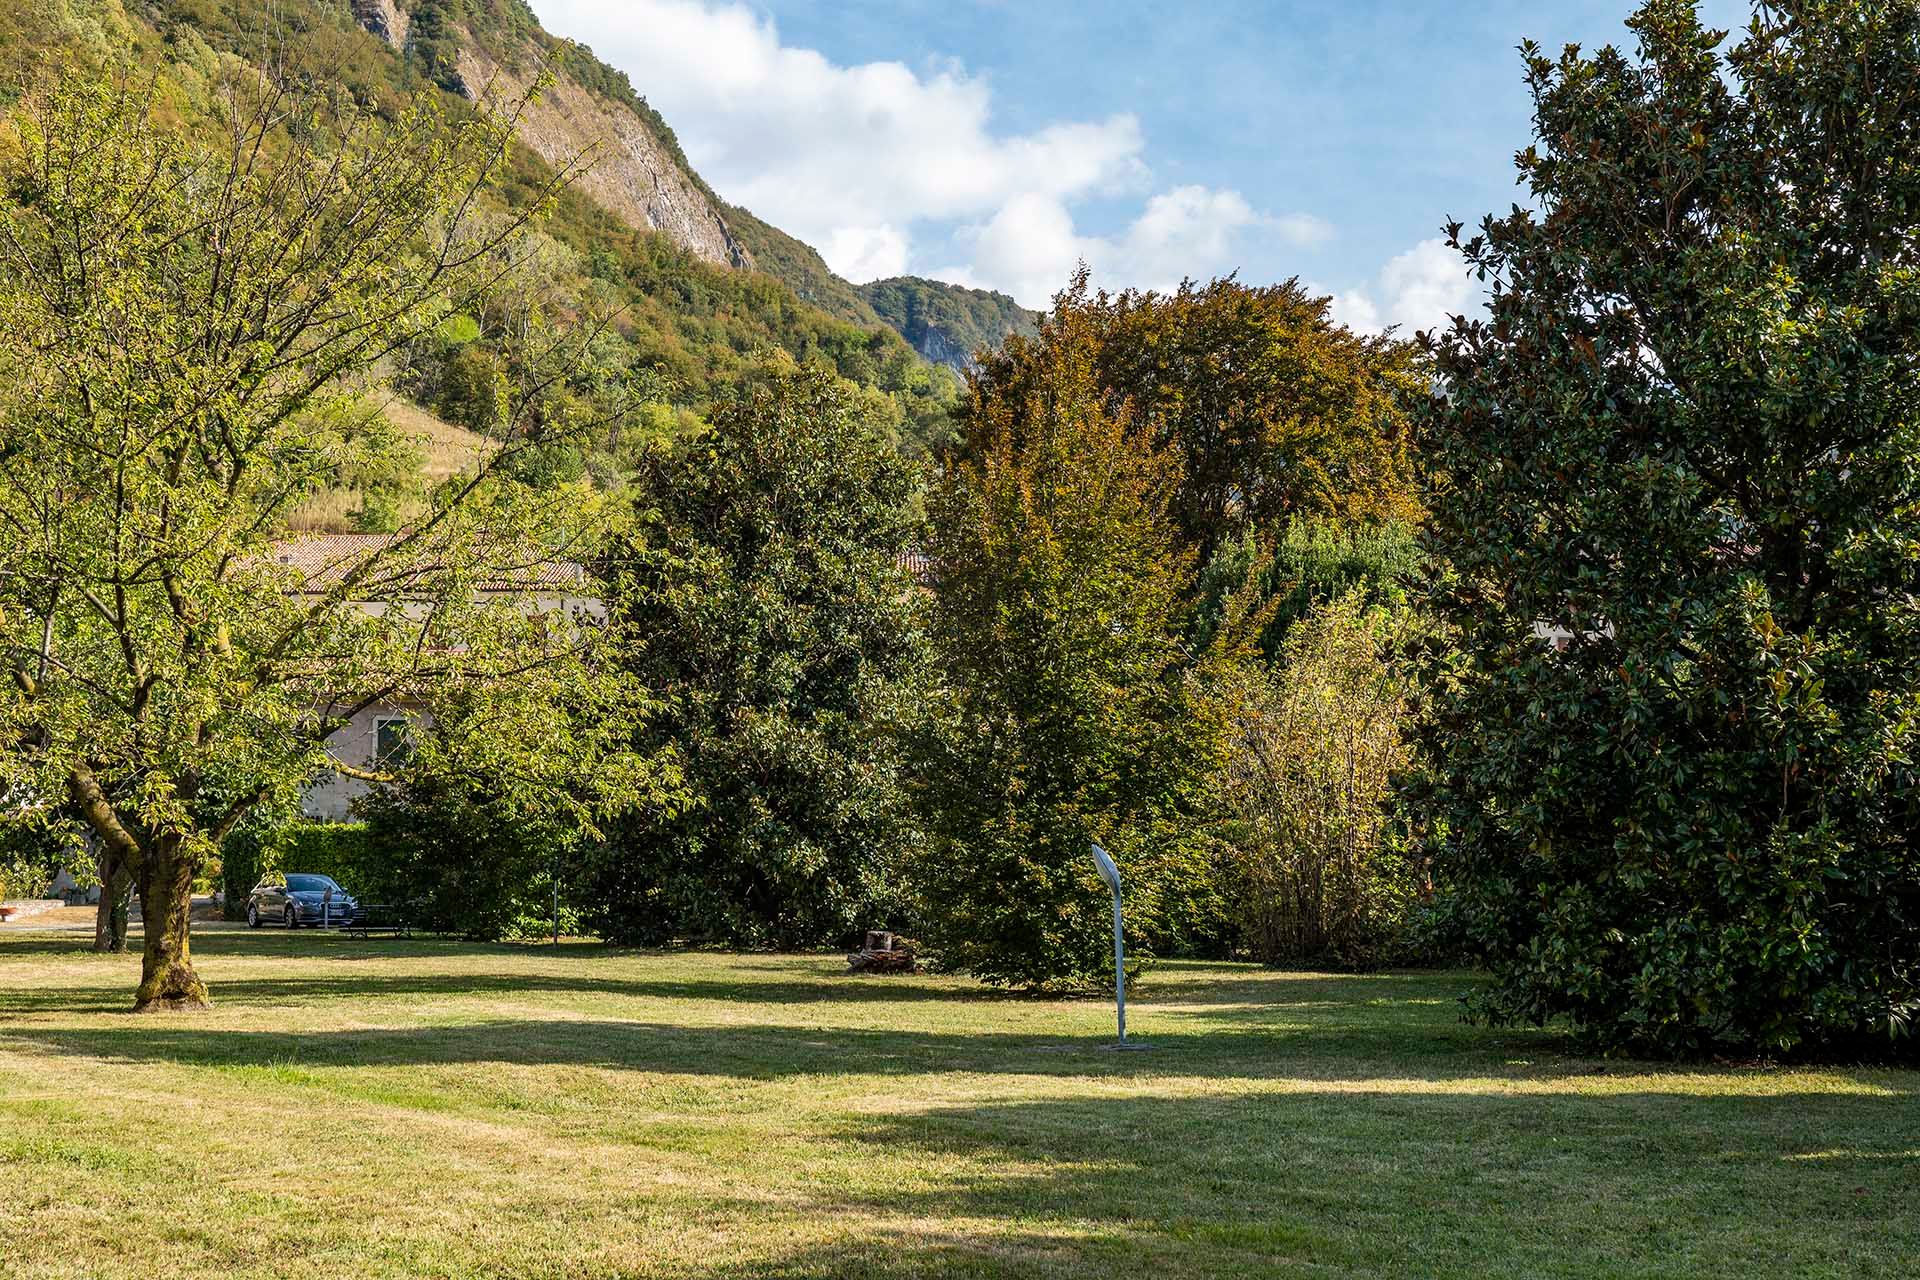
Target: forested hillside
x,y
948,322
636,238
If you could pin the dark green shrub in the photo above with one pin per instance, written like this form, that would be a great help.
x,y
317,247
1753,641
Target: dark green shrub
x,y
473,388
460,860
342,850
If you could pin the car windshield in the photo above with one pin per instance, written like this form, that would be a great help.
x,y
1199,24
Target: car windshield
x,y
311,884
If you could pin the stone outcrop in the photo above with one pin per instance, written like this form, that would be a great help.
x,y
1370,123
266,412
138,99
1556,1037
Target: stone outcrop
x,y
383,18
632,175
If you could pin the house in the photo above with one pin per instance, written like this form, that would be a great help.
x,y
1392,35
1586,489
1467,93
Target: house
x,y
375,737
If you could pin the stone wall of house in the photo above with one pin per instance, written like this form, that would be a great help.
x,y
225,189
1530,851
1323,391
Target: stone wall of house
x,y
331,798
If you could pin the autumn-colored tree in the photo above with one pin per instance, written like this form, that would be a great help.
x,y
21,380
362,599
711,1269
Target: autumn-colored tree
x,y
1271,410
1058,587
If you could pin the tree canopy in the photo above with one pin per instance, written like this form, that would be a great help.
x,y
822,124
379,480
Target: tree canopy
x,y
1271,410
763,597
1675,479
185,333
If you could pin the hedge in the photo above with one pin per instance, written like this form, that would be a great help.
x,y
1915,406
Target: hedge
x,y
342,850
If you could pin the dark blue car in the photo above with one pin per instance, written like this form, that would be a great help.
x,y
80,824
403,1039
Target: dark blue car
x,y
301,900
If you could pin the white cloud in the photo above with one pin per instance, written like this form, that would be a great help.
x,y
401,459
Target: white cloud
x,y
1303,229
856,159
1029,247
1417,290
866,253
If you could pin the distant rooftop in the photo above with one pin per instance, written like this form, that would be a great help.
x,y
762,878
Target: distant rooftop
x,y
323,559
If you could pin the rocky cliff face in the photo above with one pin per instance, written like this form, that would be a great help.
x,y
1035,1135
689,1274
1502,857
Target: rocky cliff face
x,y
637,172
632,174
383,18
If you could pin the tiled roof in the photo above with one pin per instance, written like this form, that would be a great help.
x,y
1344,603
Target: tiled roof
x,y
321,560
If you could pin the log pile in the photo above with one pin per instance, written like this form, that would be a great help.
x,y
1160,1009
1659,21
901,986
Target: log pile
x,y
883,953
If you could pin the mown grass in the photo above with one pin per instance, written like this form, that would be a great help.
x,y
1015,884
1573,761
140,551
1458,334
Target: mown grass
x,y
435,1109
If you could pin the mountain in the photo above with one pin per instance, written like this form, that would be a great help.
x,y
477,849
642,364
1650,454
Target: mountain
x,y
708,287
948,323
492,49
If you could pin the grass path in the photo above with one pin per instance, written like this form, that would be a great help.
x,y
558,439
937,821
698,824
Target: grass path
x,y
436,1109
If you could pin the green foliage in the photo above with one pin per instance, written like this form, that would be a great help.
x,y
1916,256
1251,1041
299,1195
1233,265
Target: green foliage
x,y
702,325
1318,874
343,850
37,843
1311,563
1058,721
1687,440
765,602
473,389
459,859
213,679
433,41
245,854
798,265
948,322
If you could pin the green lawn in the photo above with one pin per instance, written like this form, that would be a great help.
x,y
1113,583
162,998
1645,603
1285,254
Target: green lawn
x,y
436,1109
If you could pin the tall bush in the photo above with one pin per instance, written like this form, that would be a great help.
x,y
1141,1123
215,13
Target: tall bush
x,y
1314,747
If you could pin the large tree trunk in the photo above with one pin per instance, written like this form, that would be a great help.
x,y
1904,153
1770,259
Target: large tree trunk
x,y
167,978
110,920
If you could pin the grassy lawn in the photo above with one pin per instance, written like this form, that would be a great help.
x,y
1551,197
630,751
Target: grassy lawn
x,y
436,1109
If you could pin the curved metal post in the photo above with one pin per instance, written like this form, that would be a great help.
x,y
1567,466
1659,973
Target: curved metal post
x,y
1111,874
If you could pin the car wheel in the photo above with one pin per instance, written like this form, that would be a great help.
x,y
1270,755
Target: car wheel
x,y
253,915
293,921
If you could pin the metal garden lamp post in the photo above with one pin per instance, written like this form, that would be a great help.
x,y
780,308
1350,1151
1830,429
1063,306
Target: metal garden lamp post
x,y
1111,874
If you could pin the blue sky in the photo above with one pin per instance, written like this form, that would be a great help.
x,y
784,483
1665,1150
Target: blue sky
x,y
993,142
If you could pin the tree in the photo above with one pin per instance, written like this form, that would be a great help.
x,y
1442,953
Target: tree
x,y
1273,411
1057,586
464,861
184,335
1676,484
763,598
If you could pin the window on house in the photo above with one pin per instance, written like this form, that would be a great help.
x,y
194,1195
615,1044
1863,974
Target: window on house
x,y
392,744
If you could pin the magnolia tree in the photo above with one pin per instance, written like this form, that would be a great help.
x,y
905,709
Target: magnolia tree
x,y
1677,486
186,337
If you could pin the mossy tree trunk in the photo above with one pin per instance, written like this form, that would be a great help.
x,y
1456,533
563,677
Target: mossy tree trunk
x,y
167,977
110,920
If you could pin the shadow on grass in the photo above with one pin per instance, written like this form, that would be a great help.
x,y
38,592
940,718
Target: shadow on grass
x,y
356,969
379,986
1329,1049
1383,1182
